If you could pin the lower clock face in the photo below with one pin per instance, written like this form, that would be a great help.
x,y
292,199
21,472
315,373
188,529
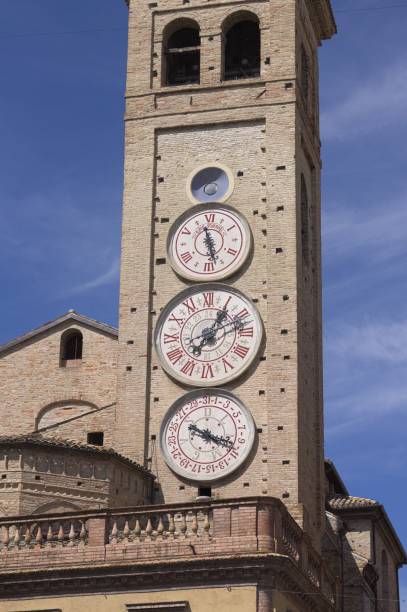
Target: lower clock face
x,y
206,435
208,335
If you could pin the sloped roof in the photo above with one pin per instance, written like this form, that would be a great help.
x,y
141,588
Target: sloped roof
x,y
71,445
345,502
70,316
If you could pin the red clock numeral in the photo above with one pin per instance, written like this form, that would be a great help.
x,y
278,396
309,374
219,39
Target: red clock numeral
x,y
230,228
186,231
227,365
209,266
186,257
207,371
210,217
241,351
231,252
168,338
188,368
227,302
208,299
190,305
175,355
176,320
243,313
246,331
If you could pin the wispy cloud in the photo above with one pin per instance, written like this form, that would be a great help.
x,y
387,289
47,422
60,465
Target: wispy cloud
x,y
372,104
110,276
383,342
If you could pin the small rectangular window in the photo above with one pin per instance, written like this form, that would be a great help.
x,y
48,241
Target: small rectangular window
x,y
95,438
167,606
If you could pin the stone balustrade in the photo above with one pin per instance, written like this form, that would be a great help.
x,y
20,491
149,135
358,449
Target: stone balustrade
x,y
160,533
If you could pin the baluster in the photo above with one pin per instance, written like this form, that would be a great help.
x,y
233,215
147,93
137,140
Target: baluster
x,y
126,530
206,524
50,535
5,536
171,528
149,528
115,531
194,524
16,536
82,534
183,528
137,530
27,536
160,527
38,537
61,535
71,535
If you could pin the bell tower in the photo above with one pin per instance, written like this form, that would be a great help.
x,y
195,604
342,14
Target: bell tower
x,y
222,131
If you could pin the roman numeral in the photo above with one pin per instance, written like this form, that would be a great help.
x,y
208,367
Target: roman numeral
x,y
188,368
186,257
231,252
230,228
216,452
210,217
176,320
209,266
168,338
207,371
243,313
227,365
186,231
189,304
246,331
241,351
175,355
208,298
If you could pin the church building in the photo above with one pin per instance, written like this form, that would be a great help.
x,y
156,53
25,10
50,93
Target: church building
x,y
176,464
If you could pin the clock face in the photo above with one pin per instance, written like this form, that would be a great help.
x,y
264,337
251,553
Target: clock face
x,y
206,435
209,242
208,335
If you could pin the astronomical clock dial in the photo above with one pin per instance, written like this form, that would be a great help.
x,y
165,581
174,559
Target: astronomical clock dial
x,y
206,435
209,242
208,335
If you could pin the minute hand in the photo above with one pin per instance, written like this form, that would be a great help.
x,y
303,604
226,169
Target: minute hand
x,y
235,323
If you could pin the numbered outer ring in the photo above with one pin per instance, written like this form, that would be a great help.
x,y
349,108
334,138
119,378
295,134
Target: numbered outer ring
x,y
201,209
187,293
198,169
194,395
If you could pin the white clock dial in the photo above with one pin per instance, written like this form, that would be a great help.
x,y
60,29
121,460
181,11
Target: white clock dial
x,y
209,242
206,435
208,335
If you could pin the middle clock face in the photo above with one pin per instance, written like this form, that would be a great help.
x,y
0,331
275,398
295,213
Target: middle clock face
x,y
209,242
208,335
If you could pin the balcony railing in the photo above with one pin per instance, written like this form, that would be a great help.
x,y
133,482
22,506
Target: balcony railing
x,y
159,533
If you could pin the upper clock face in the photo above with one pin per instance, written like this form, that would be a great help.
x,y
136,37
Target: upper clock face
x,y
208,335
206,435
209,242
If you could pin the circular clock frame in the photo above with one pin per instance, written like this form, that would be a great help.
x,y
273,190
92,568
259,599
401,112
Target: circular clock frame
x,y
183,363
223,431
225,233
212,197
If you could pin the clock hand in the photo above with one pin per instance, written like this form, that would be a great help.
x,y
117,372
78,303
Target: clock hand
x,y
209,333
208,436
210,245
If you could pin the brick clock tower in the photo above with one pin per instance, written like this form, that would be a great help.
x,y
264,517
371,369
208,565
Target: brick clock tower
x,y
220,375
198,481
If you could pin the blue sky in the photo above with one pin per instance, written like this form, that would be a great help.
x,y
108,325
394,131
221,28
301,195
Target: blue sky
x,y
61,108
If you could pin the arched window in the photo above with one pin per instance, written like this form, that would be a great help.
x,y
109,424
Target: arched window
x,y
242,49
305,75
71,345
304,220
385,581
182,54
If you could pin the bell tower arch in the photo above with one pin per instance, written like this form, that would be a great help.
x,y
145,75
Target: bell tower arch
x,y
224,129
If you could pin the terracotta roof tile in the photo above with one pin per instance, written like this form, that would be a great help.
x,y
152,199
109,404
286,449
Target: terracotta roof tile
x,y
349,502
59,443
